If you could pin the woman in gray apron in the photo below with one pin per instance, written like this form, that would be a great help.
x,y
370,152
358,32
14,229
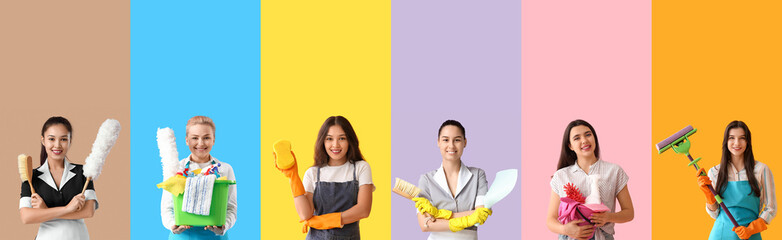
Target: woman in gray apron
x,y
336,192
745,185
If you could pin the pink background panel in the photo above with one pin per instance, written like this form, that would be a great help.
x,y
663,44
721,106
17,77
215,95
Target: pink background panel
x,y
588,60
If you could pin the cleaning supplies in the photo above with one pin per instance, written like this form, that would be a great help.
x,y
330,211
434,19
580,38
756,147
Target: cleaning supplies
x,y
575,206
680,143
282,149
107,136
26,169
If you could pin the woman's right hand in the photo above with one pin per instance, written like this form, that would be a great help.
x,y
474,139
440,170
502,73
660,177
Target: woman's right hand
x,y
703,183
37,201
177,229
290,171
77,202
573,230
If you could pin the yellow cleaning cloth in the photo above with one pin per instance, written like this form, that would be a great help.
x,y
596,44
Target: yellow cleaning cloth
x,y
175,184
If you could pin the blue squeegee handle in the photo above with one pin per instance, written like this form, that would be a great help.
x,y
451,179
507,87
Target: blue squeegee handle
x,y
722,204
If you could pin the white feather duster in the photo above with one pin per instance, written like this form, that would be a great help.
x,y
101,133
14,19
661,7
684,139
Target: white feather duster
x,y
107,136
166,142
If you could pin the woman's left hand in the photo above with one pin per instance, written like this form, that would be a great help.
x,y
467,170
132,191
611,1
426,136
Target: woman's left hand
x,y
219,230
600,219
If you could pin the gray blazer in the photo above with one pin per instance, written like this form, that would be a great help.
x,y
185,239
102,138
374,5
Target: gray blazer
x,y
471,189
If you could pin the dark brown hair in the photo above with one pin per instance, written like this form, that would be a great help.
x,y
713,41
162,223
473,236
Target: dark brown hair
x,y
749,160
451,123
353,154
51,122
566,156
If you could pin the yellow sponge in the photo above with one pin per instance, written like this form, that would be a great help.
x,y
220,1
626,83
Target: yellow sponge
x,y
282,148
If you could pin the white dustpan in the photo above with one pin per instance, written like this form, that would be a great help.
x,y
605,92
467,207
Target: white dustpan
x,y
503,184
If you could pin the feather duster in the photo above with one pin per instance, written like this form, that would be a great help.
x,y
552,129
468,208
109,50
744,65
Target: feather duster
x,y
169,157
107,136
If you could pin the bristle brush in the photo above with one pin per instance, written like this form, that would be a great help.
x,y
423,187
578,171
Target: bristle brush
x,y
26,169
406,189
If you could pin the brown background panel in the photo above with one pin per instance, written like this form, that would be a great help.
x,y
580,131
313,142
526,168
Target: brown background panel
x,y
70,59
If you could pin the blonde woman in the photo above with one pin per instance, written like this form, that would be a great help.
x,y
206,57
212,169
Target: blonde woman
x,y
200,137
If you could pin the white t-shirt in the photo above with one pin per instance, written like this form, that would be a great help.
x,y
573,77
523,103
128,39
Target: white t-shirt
x,y
342,173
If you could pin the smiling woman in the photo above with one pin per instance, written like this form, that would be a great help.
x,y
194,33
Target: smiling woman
x,y
58,203
336,192
452,196
200,137
580,168
738,174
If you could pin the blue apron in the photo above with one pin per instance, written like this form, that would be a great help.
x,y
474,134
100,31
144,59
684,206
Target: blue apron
x,y
744,207
333,197
197,233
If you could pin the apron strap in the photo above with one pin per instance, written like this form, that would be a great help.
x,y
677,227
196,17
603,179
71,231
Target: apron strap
x,y
354,171
318,180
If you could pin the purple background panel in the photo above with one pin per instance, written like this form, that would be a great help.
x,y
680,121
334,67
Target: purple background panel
x,y
462,61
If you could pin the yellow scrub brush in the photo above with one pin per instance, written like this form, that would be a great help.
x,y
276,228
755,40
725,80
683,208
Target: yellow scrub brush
x,y
26,169
282,148
406,189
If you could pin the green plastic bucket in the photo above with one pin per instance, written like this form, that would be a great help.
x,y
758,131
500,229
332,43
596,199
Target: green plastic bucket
x,y
216,211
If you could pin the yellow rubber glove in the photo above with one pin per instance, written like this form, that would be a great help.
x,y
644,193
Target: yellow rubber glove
x,y
479,216
325,221
424,206
754,227
292,173
704,182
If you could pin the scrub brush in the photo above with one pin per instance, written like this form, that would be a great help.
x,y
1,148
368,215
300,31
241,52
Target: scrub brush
x,y
26,169
406,189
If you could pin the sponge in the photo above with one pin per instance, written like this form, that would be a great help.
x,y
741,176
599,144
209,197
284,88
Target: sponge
x,y
282,148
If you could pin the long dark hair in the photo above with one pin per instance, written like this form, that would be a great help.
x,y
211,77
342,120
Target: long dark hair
x,y
51,122
749,159
353,154
566,156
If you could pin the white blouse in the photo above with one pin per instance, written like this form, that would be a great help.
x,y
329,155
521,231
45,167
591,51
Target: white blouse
x,y
768,198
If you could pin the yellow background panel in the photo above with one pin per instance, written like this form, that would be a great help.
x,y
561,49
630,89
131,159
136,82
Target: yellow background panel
x,y
712,63
321,59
